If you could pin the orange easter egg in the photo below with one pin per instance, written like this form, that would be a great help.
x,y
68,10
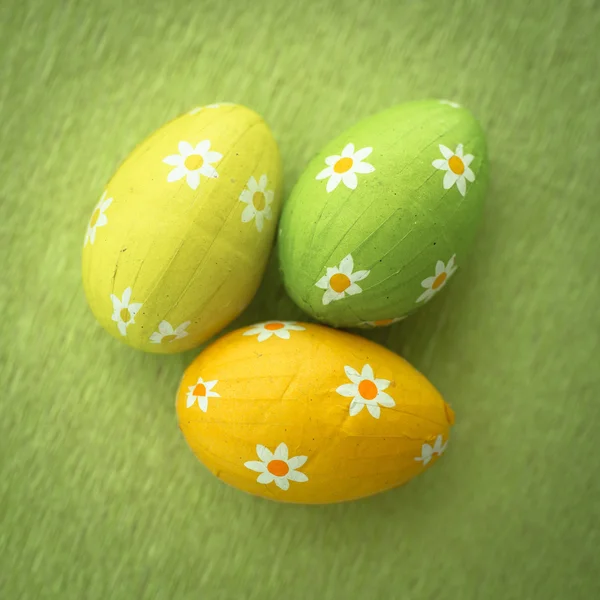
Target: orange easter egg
x,y
303,413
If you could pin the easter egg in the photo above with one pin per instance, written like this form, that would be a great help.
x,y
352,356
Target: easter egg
x,y
177,245
384,215
300,412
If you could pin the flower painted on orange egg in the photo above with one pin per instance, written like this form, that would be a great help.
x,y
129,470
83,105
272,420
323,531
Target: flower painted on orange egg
x,y
365,390
200,392
277,467
280,329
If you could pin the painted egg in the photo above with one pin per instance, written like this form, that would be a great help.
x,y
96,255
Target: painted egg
x,y
177,245
382,218
304,413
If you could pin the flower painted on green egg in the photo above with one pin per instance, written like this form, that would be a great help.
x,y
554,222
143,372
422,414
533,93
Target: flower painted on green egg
x,y
344,168
435,283
340,280
192,162
456,166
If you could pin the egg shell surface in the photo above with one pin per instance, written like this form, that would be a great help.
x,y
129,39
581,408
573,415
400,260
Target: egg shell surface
x,y
384,215
178,243
303,413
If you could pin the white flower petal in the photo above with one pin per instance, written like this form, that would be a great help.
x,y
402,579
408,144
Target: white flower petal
x,y
428,282
102,220
359,276
185,149
385,400
350,180
348,390
323,283
469,175
106,203
134,308
255,465
202,148
122,328
425,296
282,483
262,182
181,330
461,184
331,160
213,157
126,296
297,476
284,334
248,213
367,372
165,328
281,452
446,152
441,163
203,403
467,159
327,172
156,338
297,461
374,410
346,265
259,220
174,160
208,171
459,151
353,289
193,179
355,408
264,335
352,374
176,174
333,182
331,296
449,179
348,150
265,478
264,453
382,384
190,400
363,168
361,154
439,268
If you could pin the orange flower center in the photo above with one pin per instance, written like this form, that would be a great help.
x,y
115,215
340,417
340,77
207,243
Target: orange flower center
x,y
367,389
439,281
339,282
125,315
258,199
200,390
456,165
95,217
169,338
274,326
343,165
193,162
383,322
278,468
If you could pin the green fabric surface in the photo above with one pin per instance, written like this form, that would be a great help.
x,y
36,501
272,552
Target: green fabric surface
x,y
99,495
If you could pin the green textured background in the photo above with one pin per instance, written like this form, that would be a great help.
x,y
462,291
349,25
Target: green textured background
x,y
100,497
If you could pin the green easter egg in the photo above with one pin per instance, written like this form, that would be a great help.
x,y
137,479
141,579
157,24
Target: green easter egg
x,y
383,217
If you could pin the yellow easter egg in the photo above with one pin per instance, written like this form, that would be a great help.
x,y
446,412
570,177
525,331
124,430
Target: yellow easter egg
x,y
178,243
303,413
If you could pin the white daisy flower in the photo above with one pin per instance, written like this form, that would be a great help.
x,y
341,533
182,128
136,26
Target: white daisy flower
x,y
281,329
365,390
340,280
456,166
167,334
449,103
434,284
98,219
258,200
196,110
200,393
124,311
277,467
345,167
427,451
382,322
192,162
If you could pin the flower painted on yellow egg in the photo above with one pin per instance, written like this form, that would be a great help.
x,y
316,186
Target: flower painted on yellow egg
x,y
434,284
456,165
192,162
340,280
280,329
98,219
382,322
167,334
124,310
427,451
365,390
200,392
258,200
344,168
277,467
